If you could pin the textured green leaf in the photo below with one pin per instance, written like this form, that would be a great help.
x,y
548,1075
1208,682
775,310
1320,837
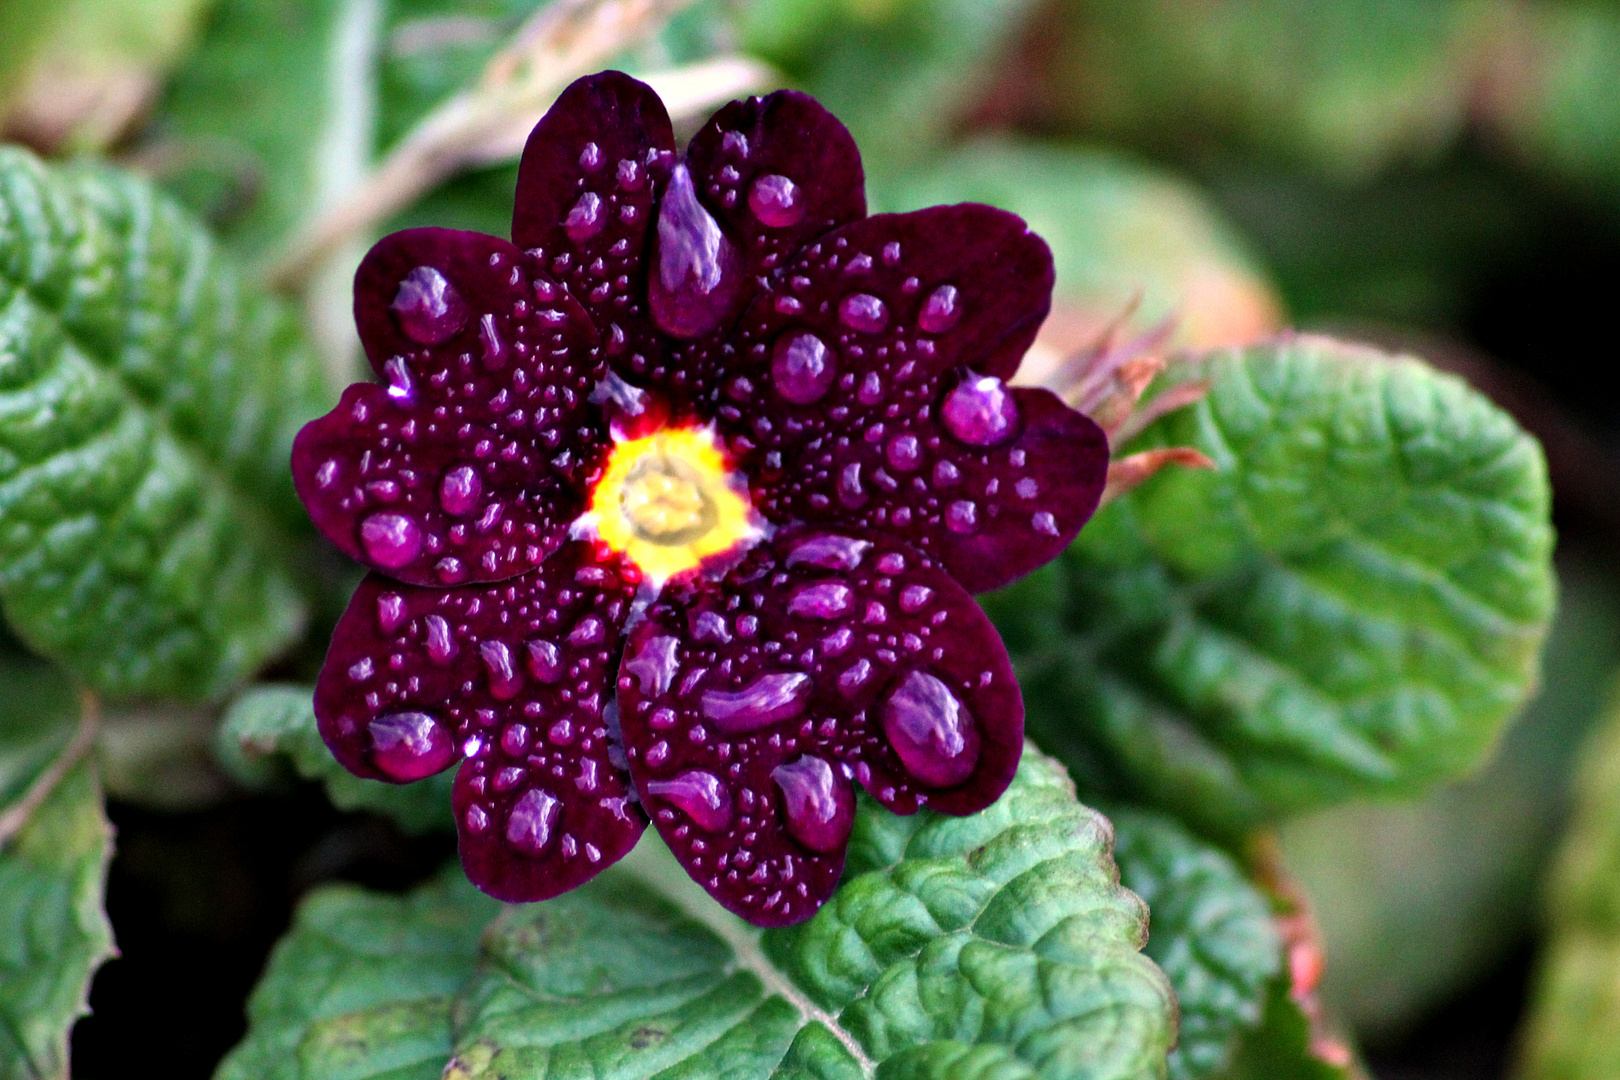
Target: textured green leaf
x,y
1351,604
955,945
362,985
53,933
1418,900
1120,233
148,400
1211,933
269,725
998,945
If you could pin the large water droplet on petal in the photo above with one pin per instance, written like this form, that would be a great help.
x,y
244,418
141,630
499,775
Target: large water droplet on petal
x,y
801,368
934,734
830,552
863,312
699,271
776,201
585,218
818,806
391,540
655,665
980,411
504,679
459,490
823,600
407,746
765,701
533,820
700,795
545,660
441,643
427,306
940,311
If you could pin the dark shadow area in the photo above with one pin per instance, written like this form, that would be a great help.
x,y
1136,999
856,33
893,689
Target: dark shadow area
x,y
1468,1038
197,901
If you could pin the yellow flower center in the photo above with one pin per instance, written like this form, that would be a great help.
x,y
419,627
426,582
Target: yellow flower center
x,y
667,502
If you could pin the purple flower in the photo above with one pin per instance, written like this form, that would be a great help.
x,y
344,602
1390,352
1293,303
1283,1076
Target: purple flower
x,y
674,504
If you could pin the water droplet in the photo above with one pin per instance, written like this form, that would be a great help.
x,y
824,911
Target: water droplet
x,y
655,665
823,600
1044,522
545,660
699,272
891,253
493,348
428,308
962,517
711,626
400,384
629,175
931,731
390,612
532,821
407,746
946,474
735,142
980,411
904,453
940,311
585,218
830,552
590,158
504,679
459,490
914,597
892,563
863,312
700,795
854,677
767,700
817,804
391,540
515,739
776,201
1027,488
441,643
801,369
477,819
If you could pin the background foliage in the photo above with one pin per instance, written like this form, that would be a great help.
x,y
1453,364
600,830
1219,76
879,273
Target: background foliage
x,y
1305,706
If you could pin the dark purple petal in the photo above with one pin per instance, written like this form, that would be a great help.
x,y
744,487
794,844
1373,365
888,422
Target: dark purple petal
x,y
876,396
751,705
778,171
586,202
468,464
513,677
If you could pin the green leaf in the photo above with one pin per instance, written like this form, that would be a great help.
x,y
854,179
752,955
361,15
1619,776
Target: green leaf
x,y
1351,604
362,985
52,872
994,945
1120,233
1211,933
1418,900
1569,1033
148,400
1283,1046
270,724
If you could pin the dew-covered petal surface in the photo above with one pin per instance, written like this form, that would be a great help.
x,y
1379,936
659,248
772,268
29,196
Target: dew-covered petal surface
x,y
586,195
467,463
751,705
871,390
513,677
777,172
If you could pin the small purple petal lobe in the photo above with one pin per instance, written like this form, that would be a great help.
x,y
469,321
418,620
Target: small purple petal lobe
x,y
907,691
418,678
452,472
